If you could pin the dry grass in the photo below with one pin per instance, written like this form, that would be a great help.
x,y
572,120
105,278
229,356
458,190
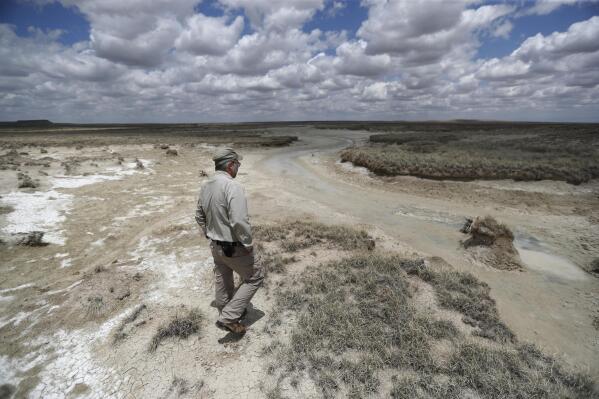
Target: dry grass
x,y
95,306
181,326
274,263
457,151
466,294
297,235
356,324
120,333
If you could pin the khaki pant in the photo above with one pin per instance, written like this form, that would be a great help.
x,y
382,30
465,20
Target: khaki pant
x,y
232,303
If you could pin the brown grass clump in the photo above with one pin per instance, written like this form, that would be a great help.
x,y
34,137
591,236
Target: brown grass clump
x,y
466,294
297,235
496,237
95,306
180,326
25,181
356,324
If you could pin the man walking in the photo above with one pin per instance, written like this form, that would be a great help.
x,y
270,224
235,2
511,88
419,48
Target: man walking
x,y
223,216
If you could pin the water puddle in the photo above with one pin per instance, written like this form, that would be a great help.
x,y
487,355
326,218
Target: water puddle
x,y
539,257
350,167
440,217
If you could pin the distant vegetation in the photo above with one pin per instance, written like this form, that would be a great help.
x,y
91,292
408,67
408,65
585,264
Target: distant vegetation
x,y
468,151
238,134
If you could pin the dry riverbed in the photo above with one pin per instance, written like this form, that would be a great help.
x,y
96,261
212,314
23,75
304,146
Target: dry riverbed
x,y
124,257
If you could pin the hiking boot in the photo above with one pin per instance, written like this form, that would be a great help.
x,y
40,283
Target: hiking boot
x,y
234,327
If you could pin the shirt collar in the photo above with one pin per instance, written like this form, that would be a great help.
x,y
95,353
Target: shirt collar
x,y
222,173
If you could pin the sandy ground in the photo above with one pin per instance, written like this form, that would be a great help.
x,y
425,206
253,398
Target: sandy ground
x,y
121,236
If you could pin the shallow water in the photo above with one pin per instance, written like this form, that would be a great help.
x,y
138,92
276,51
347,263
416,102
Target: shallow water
x,y
537,256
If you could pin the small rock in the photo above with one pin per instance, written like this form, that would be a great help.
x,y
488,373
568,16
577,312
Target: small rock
x,y
172,152
138,164
164,146
43,151
203,173
31,239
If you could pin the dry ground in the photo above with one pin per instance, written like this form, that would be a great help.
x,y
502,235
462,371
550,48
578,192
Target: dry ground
x,y
78,317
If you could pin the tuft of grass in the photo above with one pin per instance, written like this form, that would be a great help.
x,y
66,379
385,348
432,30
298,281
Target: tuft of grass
x,y
359,305
95,306
275,263
298,235
466,294
181,326
355,320
521,372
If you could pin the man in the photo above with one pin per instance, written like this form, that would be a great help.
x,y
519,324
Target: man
x,y
223,216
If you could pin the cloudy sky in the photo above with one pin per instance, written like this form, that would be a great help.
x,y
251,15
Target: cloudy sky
x,y
252,60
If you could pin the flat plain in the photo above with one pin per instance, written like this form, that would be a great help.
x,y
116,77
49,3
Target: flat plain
x,y
369,293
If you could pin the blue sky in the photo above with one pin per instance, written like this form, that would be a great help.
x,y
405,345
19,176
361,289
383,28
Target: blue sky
x,y
380,55
25,14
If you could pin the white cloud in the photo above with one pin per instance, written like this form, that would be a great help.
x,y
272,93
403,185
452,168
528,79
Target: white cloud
x,y
134,32
148,48
375,92
503,30
276,14
423,32
544,7
496,69
208,35
581,37
352,60
261,52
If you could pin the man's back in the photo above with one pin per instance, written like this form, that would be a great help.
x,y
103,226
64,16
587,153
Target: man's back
x,y
222,210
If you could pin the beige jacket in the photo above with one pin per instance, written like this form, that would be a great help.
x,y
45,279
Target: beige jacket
x,y
222,210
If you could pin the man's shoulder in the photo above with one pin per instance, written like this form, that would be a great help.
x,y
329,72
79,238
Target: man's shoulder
x,y
220,180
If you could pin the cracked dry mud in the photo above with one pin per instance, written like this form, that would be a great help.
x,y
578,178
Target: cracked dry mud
x,y
121,237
